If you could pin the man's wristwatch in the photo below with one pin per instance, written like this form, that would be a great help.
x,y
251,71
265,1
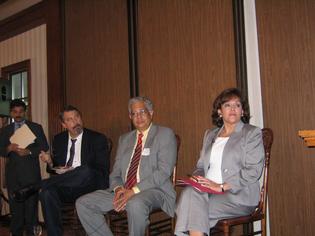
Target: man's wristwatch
x,y
222,187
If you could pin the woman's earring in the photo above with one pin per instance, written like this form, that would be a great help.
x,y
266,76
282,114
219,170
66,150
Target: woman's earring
x,y
220,115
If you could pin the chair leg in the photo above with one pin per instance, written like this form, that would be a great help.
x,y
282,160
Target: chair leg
x,y
245,229
173,223
226,230
248,228
147,231
263,227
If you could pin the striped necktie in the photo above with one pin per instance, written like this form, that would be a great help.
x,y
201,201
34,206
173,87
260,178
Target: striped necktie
x,y
132,172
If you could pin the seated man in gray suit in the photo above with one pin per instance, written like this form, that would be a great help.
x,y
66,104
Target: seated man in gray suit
x,y
140,180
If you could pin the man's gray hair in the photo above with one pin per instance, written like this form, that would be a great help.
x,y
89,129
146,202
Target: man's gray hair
x,y
147,102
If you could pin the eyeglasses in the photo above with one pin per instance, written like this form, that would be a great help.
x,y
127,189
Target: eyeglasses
x,y
141,112
230,106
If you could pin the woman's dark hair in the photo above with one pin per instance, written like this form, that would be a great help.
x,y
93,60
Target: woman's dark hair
x,y
225,96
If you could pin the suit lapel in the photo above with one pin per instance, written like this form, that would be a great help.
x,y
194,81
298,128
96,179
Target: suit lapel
x,y
31,127
148,145
11,130
235,137
84,147
151,135
130,142
64,147
210,140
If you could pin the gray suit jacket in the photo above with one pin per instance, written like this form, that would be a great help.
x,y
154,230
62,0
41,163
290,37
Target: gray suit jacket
x,y
242,162
155,167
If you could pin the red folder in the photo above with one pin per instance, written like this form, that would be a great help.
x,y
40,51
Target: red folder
x,y
196,185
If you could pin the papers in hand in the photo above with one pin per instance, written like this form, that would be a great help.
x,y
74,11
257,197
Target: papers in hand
x,y
62,169
23,136
197,186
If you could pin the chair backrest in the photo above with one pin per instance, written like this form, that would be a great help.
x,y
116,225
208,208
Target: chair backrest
x,y
174,170
267,136
109,145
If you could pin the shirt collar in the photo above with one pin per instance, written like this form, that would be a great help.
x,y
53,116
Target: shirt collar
x,y
79,137
145,133
18,124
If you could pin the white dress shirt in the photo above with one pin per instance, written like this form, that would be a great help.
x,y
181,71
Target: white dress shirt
x,y
77,151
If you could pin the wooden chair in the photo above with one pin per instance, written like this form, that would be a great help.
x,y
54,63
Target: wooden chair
x,y
259,213
68,211
160,222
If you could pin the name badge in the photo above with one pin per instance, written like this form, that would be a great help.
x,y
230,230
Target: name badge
x,y
146,152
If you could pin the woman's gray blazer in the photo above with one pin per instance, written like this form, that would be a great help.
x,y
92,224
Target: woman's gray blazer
x,y
242,163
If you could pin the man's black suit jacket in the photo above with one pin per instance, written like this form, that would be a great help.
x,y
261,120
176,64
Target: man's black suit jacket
x,y
21,171
94,155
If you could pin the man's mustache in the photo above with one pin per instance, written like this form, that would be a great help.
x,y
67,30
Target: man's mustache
x,y
78,128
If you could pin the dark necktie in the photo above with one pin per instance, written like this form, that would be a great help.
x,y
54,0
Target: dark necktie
x,y
72,148
132,172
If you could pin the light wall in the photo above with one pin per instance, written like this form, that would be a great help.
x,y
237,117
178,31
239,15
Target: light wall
x,y
31,45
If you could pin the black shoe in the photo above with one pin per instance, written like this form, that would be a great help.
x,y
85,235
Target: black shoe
x,y
22,194
36,230
11,234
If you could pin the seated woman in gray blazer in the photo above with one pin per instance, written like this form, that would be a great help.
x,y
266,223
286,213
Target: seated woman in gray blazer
x,y
231,161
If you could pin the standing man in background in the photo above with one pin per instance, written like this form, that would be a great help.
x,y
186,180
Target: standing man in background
x,y
22,168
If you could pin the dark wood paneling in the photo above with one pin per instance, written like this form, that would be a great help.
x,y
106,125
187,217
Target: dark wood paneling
x,y
186,57
240,46
287,48
133,47
55,78
97,63
46,12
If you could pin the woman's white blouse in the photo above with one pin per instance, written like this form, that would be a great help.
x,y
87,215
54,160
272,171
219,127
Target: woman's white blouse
x,y
214,173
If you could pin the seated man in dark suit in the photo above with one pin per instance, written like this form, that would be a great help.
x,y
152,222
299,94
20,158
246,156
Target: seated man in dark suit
x,y
81,161
140,180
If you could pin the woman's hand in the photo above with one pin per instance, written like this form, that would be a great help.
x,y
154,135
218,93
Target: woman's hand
x,y
208,183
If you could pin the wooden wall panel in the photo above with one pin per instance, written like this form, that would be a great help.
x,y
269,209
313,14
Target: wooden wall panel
x,y
287,48
186,57
97,75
